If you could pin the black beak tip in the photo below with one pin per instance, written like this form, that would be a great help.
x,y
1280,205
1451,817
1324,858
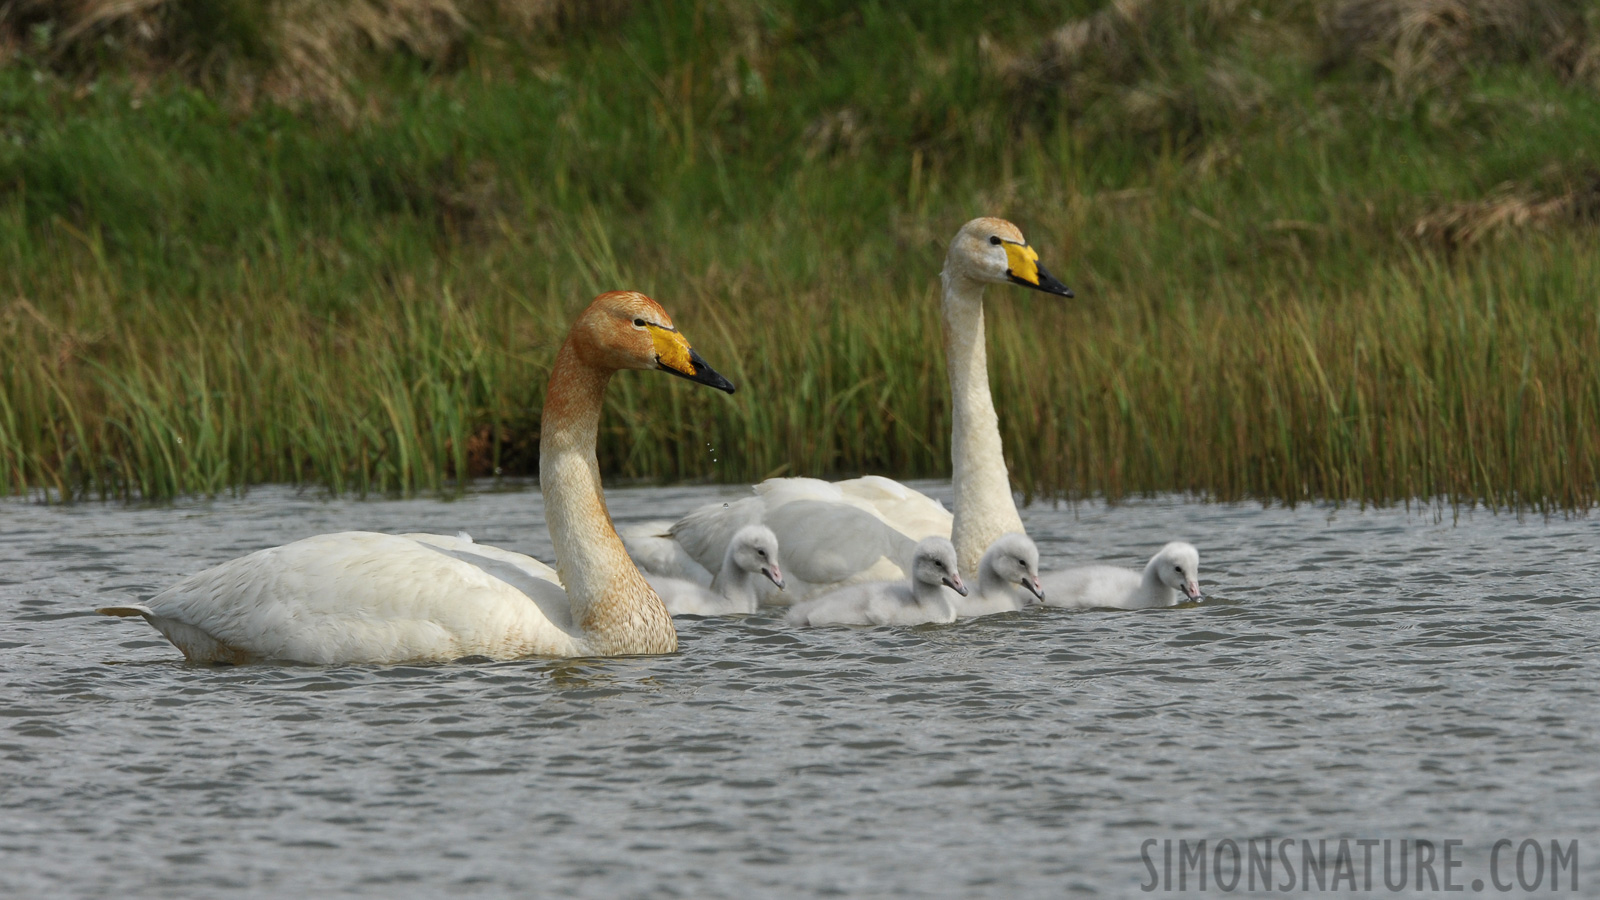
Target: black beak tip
x,y
1048,284
703,374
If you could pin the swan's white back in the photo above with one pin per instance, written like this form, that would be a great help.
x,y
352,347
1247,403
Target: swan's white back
x,y
832,534
372,597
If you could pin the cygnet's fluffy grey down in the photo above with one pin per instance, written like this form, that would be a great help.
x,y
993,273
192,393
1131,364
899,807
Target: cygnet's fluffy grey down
x,y
929,596
751,555
1173,573
1008,578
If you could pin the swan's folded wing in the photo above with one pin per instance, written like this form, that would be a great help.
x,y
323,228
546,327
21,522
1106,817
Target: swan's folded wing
x,y
706,532
828,534
462,547
911,512
654,551
362,597
830,543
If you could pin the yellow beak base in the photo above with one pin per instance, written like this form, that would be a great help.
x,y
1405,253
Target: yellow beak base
x,y
1023,261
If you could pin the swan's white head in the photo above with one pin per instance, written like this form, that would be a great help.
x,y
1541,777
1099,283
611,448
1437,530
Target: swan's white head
x,y
755,549
1178,567
934,562
994,251
627,330
1014,559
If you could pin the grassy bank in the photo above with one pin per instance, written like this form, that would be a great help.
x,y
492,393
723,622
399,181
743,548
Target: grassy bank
x,y
1321,250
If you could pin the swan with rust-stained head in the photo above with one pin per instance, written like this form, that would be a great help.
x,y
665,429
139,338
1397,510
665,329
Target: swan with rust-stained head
x,y
1173,573
846,532
359,597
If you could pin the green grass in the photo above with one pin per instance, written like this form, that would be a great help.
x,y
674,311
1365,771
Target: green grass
x,y
197,295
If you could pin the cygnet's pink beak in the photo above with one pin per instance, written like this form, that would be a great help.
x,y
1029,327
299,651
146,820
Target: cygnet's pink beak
x,y
953,581
1031,582
1191,589
774,574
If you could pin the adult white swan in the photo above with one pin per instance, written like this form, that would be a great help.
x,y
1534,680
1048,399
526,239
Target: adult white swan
x,y
864,529
359,597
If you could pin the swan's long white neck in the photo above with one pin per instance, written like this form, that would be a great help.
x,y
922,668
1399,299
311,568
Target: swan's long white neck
x,y
735,583
984,508
612,605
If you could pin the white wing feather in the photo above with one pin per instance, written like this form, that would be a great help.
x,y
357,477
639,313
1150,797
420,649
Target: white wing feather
x,y
831,534
374,597
655,552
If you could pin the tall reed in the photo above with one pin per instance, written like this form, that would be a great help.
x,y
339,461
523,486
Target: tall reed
x,y
196,296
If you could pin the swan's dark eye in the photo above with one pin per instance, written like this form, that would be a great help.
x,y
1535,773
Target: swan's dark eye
x,y
1178,569
994,239
761,553
638,323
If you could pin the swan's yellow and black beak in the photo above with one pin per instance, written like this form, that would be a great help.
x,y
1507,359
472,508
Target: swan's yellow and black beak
x,y
1022,267
673,354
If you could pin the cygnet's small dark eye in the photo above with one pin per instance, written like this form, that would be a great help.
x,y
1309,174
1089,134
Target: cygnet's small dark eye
x,y
994,239
1179,569
762,553
638,323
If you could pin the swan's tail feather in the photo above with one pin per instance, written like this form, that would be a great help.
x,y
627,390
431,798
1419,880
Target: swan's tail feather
x,y
125,611
197,645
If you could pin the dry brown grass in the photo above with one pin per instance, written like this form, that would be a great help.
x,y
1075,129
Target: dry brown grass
x,y
1137,66
295,52
1426,45
1507,210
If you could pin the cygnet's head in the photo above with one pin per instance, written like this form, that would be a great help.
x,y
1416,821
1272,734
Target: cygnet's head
x,y
1178,566
934,562
1015,560
994,251
755,549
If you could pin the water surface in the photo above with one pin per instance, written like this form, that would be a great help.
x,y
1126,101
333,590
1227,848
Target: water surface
x,y
1352,674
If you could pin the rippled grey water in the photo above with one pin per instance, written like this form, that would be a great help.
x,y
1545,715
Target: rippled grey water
x,y
1353,674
